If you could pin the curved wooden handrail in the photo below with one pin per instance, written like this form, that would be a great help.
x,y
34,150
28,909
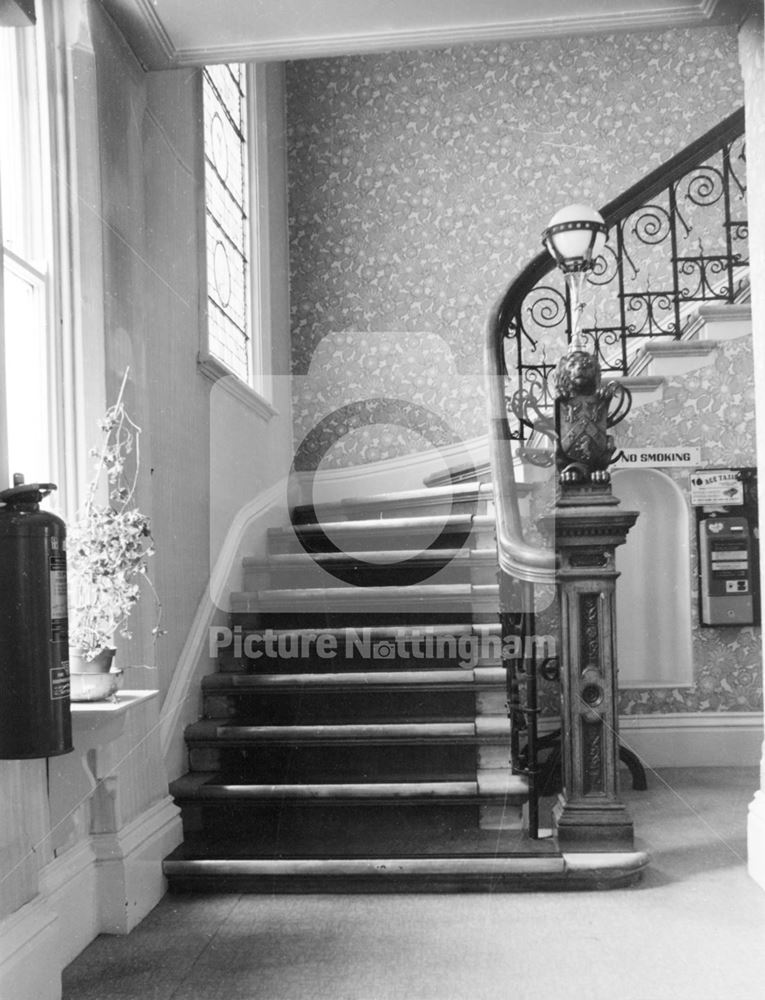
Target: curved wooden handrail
x,y
518,558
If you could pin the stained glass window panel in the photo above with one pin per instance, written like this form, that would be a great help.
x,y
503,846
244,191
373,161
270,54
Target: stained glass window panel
x,y
226,200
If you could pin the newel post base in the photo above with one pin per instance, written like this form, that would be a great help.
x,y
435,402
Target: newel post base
x,y
587,526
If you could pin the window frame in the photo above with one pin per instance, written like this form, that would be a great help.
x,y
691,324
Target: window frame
x,y
257,393
38,262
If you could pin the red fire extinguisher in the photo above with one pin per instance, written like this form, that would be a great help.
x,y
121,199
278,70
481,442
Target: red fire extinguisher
x,y
35,714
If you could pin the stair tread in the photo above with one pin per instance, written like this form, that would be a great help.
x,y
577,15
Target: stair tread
x,y
390,557
331,593
423,496
389,524
204,787
679,347
362,680
458,491
386,631
224,731
489,865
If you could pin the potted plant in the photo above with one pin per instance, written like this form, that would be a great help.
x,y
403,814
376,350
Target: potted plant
x,y
109,547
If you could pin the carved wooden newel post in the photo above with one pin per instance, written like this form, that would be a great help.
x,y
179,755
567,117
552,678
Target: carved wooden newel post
x,y
587,526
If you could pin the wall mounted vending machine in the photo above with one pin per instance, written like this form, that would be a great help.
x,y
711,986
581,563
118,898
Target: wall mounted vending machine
x,y
726,515
726,571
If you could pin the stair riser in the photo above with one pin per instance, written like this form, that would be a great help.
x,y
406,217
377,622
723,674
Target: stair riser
x,y
314,574
340,661
357,541
303,707
405,615
295,764
239,818
249,649
388,880
417,507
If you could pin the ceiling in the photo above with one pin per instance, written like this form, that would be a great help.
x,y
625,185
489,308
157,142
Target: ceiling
x,y
167,33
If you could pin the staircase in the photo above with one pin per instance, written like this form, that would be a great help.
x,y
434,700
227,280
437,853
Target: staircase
x,y
358,738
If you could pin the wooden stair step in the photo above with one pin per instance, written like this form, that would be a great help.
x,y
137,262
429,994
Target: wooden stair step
x,y
384,630
482,472
517,871
477,678
201,786
443,499
377,557
216,732
353,598
317,649
392,567
392,532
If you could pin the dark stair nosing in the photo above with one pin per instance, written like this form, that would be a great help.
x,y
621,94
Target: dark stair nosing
x,y
517,871
458,494
384,631
390,525
473,678
222,733
200,787
352,597
460,474
280,560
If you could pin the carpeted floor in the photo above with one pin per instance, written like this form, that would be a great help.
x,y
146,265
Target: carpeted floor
x,y
694,929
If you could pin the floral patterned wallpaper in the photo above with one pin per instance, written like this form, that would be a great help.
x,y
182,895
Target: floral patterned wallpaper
x,y
420,182
712,408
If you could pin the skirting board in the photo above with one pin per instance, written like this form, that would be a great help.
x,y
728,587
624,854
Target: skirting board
x,y
109,882
694,739
29,965
688,739
129,866
68,885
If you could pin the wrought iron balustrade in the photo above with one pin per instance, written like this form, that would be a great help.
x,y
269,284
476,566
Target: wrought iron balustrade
x,y
678,238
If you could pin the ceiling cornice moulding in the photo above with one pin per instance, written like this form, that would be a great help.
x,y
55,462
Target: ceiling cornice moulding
x,y
152,40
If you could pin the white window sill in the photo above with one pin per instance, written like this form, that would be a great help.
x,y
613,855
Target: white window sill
x,y
216,371
99,722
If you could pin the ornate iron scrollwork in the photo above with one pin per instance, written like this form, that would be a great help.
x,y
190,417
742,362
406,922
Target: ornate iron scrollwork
x,y
687,243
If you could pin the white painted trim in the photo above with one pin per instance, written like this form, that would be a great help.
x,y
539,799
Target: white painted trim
x,y
689,739
687,15
217,372
67,886
155,49
384,41
403,472
29,967
182,700
211,610
106,883
694,739
259,129
153,43
129,866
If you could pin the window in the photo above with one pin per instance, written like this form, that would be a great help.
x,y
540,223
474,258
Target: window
x,y
237,330
28,351
227,219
